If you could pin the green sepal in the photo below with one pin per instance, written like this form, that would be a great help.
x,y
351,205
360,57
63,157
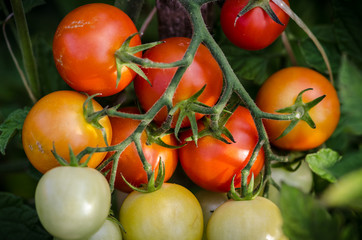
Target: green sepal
x,y
264,4
93,117
152,185
60,159
301,111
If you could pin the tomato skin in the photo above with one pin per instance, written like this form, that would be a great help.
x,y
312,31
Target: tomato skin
x,y
213,163
72,202
170,213
281,89
251,219
84,45
129,163
302,178
204,70
209,202
58,119
254,30
109,231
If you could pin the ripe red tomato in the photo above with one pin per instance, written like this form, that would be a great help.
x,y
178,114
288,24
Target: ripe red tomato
x,y
254,30
281,89
204,70
213,163
58,119
84,46
129,163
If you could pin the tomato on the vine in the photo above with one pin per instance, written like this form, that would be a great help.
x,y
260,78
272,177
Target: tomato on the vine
x,y
84,46
259,218
204,70
171,213
212,163
109,231
281,90
72,202
129,163
255,29
58,120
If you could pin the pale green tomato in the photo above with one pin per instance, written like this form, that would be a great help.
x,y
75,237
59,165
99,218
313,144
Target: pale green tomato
x,y
109,231
302,179
72,202
170,213
209,201
258,219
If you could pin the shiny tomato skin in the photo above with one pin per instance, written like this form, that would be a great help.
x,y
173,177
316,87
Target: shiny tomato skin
x,y
212,163
129,164
281,89
204,70
170,213
58,119
84,45
72,202
253,219
254,30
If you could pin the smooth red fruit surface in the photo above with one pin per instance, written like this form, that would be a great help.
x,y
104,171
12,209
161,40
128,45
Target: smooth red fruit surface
x,y
212,163
281,89
204,70
254,30
129,163
84,45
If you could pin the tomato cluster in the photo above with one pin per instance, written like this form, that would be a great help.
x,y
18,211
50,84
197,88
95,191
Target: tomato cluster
x,y
72,128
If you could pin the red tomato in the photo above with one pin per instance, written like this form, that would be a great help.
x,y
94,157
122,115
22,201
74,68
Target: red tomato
x,y
281,89
213,163
58,119
204,70
129,163
254,30
84,46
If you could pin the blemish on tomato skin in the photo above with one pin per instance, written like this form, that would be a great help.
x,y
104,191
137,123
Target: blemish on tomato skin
x,y
30,147
40,147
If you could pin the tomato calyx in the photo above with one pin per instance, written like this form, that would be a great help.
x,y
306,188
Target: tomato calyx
x,y
93,117
152,184
125,57
264,4
74,160
301,110
155,135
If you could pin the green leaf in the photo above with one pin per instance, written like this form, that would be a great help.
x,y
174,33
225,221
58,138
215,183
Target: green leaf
x,y
350,93
347,192
350,161
321,161
312,56
18,220
10,125
347,27
304,217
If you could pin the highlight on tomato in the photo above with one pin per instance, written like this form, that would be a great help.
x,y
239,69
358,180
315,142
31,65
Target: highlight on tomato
x,y
72,202
212,163
172,213
203,71
281,90
129,163
84,46
255,29
57,121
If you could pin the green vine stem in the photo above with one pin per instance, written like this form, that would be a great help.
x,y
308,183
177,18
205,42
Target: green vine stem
x,y
310,34
231,85
26,48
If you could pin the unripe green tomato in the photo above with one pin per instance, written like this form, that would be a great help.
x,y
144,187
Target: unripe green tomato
x,y
72,202
256,219
302,178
